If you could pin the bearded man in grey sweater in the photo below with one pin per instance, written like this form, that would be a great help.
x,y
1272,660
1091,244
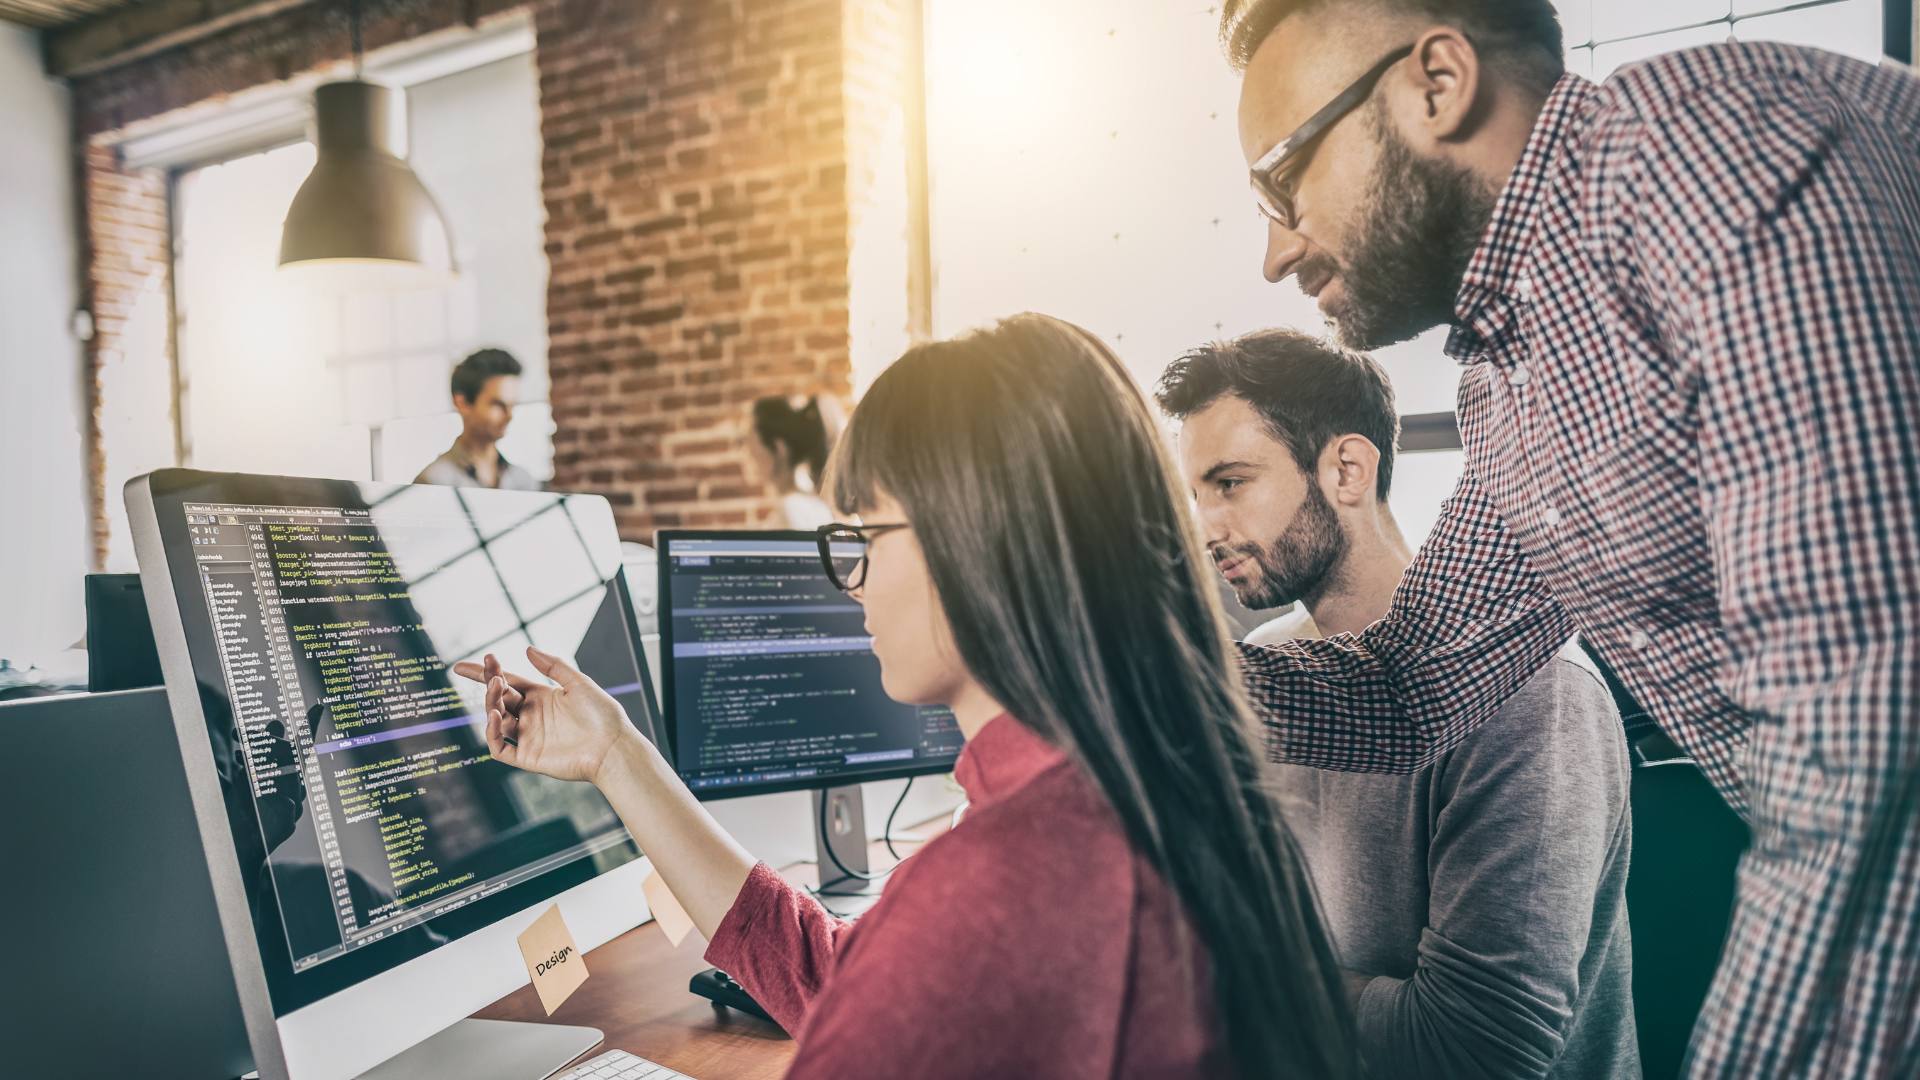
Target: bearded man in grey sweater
x,y
1478,906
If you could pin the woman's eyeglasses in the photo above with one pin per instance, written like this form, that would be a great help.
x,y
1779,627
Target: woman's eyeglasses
x,y
843,551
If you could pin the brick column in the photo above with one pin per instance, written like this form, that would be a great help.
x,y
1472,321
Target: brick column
x,y
128,269
698,235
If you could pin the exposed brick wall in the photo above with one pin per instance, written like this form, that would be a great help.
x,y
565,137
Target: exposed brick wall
x,y
696,181
128,268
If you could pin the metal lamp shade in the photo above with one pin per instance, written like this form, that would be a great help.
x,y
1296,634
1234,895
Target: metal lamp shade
x,y
362,204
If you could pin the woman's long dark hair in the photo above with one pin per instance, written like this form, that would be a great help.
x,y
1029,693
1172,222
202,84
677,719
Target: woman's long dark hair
x,y
1057,535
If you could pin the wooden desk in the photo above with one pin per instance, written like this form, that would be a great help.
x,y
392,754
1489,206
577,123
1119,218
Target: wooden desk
x,y
636,992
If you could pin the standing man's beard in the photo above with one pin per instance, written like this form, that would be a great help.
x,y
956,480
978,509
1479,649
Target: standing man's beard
x,y
1300,564
1404,265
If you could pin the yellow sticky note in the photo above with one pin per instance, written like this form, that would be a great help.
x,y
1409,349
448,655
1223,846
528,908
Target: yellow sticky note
x,y
553,960
673,918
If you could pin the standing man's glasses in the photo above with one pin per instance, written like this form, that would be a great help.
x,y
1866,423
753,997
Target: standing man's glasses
x,y
1274,173
843,551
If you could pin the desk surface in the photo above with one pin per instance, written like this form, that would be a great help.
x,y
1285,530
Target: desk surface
x,y
636,992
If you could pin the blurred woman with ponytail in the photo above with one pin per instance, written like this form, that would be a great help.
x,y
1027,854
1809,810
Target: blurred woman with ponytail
x,y
791,439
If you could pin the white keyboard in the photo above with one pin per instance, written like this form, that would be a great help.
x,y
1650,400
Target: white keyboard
x,y
619,1065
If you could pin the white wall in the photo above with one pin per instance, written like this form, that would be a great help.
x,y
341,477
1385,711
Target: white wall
x,y
44,544
1084,163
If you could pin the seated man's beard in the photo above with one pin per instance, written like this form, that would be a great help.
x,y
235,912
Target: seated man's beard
x,y
1421,222
1297,566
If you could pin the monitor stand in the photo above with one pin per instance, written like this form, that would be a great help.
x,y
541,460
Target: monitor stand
x,y
490,1050
844,838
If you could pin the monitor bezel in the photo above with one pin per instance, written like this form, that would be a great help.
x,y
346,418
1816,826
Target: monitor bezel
x,y
275,1045
669,723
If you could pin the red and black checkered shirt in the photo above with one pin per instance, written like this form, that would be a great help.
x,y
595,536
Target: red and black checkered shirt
x,y
1691,409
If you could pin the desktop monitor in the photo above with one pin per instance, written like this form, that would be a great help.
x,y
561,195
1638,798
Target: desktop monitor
x,y
371,864
768,677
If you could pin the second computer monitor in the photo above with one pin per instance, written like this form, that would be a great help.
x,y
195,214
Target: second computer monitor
x,y
769,680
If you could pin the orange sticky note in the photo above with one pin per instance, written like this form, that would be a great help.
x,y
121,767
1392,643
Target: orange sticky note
x,y
553,960
673,918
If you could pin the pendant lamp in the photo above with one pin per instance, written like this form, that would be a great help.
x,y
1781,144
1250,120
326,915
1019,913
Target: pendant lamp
x,y
362,218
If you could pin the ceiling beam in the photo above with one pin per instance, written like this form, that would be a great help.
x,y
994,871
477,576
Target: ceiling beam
x,y
144,29
47,13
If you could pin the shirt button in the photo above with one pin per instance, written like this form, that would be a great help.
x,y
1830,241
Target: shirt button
x,y
1519,375
1638,640
1551,515
1523,289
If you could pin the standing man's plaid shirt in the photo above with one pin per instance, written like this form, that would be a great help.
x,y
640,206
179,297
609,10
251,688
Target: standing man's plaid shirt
x,y
1691,408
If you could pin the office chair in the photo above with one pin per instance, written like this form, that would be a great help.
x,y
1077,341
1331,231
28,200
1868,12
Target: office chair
x,y
1687,844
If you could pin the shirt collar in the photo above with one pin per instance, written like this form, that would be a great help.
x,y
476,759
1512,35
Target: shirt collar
x,y
457,453
1001,758
1495,280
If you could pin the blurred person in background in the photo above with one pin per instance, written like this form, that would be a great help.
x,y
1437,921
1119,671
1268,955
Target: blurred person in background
x,y
790,440
486,387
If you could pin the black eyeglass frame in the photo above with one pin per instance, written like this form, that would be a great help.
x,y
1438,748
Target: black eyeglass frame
x,y
841,532
1269,186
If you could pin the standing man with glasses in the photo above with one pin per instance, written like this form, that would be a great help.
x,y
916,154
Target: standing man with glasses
x,y
1686,303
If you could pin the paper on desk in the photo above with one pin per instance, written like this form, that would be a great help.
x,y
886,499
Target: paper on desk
x,y
553,960
673,918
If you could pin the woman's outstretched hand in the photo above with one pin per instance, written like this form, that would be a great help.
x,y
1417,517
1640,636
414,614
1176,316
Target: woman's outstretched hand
x,y
567,729
572,729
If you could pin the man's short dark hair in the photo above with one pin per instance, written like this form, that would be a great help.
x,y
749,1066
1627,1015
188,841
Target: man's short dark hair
x,y
470,375
1309,392
1523,36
